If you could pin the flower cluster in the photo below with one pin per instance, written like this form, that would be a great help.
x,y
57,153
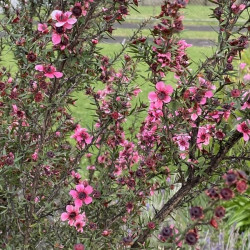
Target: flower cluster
x,y
81,197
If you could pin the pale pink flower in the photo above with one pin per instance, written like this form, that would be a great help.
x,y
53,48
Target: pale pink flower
x,y
49,71
246,105
246,78
242,65
81,194
63,19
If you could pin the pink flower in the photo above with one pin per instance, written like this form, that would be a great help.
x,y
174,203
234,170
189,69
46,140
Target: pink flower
x,y
63,19
246,78
49,71
35,155
136,91
161,95
219,134
71,215
238,8
82,136
79,246
203,136
57,34
241,186
79,224
182,141
246,98
242,65
235,93
243,128
42,27
80,195
129,207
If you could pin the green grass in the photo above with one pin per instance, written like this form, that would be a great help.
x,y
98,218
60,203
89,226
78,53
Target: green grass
x,y
194,14
82,110
186,34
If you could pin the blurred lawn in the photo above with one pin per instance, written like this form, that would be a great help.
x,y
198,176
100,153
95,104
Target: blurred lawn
x,y
194,14
185,34
82,110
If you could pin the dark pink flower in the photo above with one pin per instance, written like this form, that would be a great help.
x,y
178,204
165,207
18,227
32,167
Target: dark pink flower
x,y
226,194
196,213
129,207
230,177
79,246
212,193
161,95
243,128
81,135
49,71
78,10
219,134
203,136
238,8
220,212
182,141
81,195
235,93
213,222
191,238
79,224
63,19
151,225
71,215
241,186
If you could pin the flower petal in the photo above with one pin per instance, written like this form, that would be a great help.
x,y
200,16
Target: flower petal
x,y
39,67
78,203
88,200
74,194
72,20
58,74
60,24
152,96
167,99
56,39
88,189
69,208
68,14
80,188
49,75
160,85
64,216
169,89
55,13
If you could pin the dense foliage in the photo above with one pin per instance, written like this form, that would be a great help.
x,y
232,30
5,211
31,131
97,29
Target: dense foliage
x,y
192,143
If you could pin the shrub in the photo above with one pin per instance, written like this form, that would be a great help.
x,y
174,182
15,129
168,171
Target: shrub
x,y
194,136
